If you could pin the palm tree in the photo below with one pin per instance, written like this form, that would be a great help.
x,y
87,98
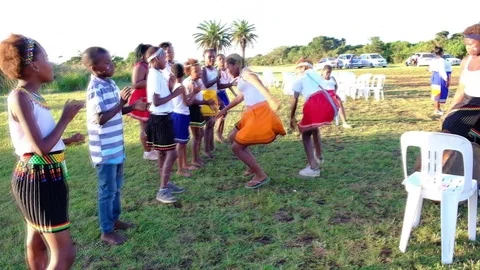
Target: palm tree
x,y
213,35
243,34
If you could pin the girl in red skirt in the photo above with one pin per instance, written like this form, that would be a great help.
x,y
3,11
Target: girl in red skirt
x,y
139,83
319,109
330,84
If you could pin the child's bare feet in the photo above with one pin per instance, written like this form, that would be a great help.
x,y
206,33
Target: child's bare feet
x,y
113,238
198,163
219,138
122,225
183,173
209,155
191,167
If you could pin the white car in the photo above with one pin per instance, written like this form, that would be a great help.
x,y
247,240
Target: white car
x,y
420,59
331,61
373,60
452,60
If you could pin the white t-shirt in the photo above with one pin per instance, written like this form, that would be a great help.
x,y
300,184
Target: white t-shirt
x,y
158,84
308,83
179,105
211,75
250,93
329,84
439,65
224,78
188,81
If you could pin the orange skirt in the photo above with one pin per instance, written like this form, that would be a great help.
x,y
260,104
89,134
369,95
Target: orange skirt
x,y
258,125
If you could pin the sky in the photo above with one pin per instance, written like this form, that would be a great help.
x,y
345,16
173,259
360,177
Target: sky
x,y
68,26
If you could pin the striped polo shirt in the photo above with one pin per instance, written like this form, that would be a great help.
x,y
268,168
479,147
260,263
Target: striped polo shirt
x,y
105,141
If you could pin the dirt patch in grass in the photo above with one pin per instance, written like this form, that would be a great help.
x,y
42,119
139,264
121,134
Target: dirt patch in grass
x,y
283,215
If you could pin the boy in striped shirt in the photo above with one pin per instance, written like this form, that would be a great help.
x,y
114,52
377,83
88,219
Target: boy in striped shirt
x,y
105,106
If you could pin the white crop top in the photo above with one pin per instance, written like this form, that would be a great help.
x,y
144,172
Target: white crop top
x,y
250,93
471,80
45,123
179,105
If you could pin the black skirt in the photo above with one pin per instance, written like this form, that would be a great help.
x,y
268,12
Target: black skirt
x,y
464,117
41,192
196,117
160,132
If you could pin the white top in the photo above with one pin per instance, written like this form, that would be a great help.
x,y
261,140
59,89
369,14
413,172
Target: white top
x,y
438,64
224,78
308,83
211,75
188,80
471,80
45,123
250,93
179,105
158,84
329,84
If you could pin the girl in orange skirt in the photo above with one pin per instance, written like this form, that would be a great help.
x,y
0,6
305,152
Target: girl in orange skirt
x,y
259,123
319,109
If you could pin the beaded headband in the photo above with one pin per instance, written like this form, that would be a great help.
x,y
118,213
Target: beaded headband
x,y
29,49
473,36
159,52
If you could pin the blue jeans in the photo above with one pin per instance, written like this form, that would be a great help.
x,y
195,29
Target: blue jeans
x,y
110,181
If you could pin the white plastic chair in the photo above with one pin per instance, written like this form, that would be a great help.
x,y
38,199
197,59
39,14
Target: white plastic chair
x,y
287,83
376,86
268,78
346,85
430,183
362,85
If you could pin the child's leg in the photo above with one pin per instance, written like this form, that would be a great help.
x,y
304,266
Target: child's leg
x,y
220,127
62,253
209,125
117,207
341,110
143,136
161,161
169,159
197,141
316,143
37,253
307,145
182,160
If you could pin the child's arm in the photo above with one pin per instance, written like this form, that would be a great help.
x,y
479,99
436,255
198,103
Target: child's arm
x,y
233,91
293,121
77,137
207,83
139,77
237,100
157,100
336,84
187,98
104,116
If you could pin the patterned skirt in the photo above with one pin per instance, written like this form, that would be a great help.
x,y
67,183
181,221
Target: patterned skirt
x,y
160,132
464,118
41,192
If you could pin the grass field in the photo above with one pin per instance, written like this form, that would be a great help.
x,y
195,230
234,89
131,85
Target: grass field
x,y
349,218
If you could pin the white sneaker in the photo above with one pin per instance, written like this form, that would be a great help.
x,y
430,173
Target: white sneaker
x,y
438,112
308,172
152,155
345,125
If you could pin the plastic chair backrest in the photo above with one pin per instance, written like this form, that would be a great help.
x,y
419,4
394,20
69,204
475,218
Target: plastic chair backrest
x,y
378,81
432,145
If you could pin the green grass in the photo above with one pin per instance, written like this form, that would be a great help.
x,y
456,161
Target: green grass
x,y
349,218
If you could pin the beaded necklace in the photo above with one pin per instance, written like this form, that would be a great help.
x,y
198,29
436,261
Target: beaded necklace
x,y
35,98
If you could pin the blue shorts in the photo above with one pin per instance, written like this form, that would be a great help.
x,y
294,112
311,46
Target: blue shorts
x,y
181,122
222,95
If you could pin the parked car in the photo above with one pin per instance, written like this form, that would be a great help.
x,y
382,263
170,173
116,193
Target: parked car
x,y
350,60
373,60
419,59
332,61
452,60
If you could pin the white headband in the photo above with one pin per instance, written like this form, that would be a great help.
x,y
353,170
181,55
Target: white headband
x,y
159,52
305,64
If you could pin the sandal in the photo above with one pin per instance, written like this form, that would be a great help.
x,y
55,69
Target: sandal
x,y
257,184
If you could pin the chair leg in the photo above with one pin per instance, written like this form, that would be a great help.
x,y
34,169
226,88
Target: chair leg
x,y
418,213
449,210
410,210
472,216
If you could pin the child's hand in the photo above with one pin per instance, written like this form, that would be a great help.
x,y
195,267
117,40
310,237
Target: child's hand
x,y
210,102
140,105
71,108
126,93
220,114
77,137
293,123
196,88
234,82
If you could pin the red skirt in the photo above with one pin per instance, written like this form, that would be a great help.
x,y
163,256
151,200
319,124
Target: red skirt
x,y
320,109
136,95
336,99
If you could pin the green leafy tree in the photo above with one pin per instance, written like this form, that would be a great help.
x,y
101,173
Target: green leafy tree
x,y
243,33
214,35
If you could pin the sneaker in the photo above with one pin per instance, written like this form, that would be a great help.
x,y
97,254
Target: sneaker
x,y
152,155
164,195
345,125
438,112
308,172
174,188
